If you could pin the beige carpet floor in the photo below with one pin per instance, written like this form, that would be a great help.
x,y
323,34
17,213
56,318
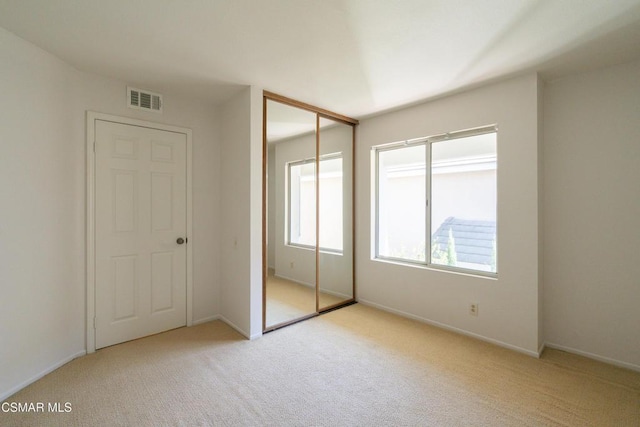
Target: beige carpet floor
x,y
356,366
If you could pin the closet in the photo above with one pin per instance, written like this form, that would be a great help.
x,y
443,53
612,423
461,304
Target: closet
x,y
308,211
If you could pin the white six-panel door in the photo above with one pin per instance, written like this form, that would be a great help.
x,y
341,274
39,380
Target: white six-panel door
x,y
140,215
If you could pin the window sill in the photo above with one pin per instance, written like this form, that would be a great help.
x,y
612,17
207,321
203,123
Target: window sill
x,y
441,269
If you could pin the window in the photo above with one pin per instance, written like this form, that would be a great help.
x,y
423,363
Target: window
x,y
302,203
436,199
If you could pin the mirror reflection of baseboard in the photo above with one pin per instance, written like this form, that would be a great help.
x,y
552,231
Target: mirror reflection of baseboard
x,y
330,300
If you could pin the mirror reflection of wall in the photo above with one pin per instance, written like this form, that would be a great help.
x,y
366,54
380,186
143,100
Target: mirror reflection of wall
x,y
308,200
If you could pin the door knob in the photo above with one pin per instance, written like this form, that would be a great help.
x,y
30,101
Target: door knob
x,y
180,240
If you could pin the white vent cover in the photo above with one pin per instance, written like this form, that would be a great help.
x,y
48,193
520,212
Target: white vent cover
x,y
144,100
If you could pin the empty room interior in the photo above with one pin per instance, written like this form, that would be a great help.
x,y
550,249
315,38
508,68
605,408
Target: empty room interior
x,y
299,212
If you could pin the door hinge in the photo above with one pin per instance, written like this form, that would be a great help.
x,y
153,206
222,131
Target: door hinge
x,y
94,145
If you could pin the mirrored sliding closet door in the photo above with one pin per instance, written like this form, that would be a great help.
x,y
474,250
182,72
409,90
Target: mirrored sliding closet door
x,y
307,211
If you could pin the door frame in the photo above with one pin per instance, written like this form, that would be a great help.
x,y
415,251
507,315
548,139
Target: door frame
x,y
92,117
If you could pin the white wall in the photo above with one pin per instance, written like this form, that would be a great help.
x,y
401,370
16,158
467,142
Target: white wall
x,y
508,306
42,204
592,213
255,211
41,214
241,219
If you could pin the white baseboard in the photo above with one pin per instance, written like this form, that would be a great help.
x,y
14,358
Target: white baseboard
x,y
450,328
593,356
205,320
228,322
234,326
6,394
541,349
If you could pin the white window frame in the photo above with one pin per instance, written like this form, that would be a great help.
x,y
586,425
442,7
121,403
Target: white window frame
x,y
427,142
289,165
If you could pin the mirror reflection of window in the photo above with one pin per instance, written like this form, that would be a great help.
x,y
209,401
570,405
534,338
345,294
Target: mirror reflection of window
x,y
302,203
331,203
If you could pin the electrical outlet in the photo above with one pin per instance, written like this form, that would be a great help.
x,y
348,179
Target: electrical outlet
x,y
473,309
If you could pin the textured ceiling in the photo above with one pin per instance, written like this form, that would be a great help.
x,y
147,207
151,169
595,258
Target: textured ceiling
x,y
356,57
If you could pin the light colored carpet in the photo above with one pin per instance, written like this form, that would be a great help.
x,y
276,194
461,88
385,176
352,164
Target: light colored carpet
x,y
356,366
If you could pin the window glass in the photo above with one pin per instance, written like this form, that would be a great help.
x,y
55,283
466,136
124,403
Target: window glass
x,y
402,203
463,202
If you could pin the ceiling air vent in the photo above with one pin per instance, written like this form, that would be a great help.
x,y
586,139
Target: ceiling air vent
x,y
144,100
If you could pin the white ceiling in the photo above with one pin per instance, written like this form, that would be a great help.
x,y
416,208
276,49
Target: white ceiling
x,y
355,57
